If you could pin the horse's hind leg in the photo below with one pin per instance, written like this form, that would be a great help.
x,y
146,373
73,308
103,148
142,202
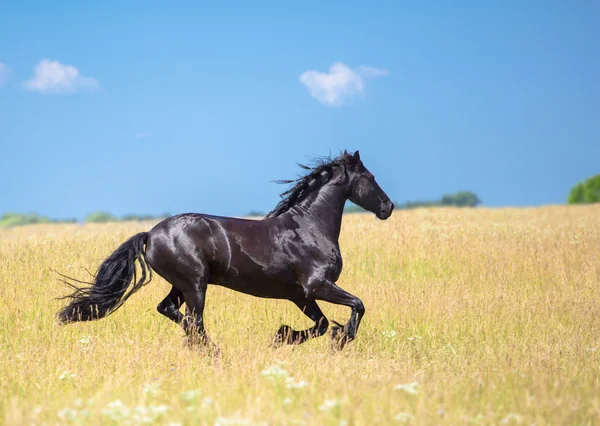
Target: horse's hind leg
x,y
170,305
287,335
193,324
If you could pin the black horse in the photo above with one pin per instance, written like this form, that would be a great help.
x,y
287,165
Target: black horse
x,y
292,253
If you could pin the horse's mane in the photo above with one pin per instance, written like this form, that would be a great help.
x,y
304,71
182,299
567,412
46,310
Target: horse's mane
x,y
323,169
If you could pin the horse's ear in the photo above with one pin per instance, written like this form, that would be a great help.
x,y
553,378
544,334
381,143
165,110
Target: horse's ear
x,y
356,157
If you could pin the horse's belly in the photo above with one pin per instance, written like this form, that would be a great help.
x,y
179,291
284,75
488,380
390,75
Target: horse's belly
x,y
261,287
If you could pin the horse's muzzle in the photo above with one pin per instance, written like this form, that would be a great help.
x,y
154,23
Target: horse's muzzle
x,y
385,211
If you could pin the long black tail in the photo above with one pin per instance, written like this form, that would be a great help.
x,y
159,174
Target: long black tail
x,y
108,291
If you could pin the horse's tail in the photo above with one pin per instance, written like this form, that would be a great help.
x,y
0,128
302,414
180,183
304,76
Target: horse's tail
x,y
108,291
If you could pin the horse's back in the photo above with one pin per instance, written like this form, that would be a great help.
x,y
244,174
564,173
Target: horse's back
x,y
241,254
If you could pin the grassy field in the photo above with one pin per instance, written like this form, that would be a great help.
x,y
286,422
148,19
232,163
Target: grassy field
x,y
474,316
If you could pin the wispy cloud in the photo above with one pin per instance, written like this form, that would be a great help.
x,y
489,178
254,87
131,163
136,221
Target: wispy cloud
x,y
336,87
4,74
54,77
142,135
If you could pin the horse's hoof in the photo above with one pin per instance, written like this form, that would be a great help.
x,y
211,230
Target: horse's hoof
x,y
339,336
284,336
214,351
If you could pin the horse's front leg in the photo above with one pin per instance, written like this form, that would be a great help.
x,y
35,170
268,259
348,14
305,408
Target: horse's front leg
x,y
328,291
287,335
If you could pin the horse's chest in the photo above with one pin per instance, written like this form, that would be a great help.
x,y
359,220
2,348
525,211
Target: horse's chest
x,y
336,263
329,261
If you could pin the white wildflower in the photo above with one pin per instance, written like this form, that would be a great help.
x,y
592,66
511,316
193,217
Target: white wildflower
x,y
511,417
67,414
329,404
293,384
414,338
404,417
159,410
410,388
142,415
116,410
85,340
223,421
67,375
389,334
275,372
152,389
190,396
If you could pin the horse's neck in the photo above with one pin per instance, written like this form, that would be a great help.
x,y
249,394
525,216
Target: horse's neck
x,y
323,208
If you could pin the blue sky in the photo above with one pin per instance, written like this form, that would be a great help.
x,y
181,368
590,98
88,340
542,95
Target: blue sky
x,y
145,107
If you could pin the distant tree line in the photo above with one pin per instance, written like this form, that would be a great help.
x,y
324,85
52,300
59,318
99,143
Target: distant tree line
x,y
458,199
105,217
9,220
585,192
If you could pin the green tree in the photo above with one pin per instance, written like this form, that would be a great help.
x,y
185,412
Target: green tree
x,y
461,199
585,192
100,217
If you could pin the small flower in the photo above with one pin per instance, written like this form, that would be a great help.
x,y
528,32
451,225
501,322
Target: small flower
x,y
152,389
404,417
223,421
116,410
67,414
329,404
190,396
85,340
292,384
275,372
389,334
67,375
517,418
414,338
141,415
159,410
410,388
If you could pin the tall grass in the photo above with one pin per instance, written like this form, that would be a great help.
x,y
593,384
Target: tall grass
x,y
486,316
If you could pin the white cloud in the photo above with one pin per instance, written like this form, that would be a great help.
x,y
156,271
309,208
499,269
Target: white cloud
x,y
340,84
54,77
4,74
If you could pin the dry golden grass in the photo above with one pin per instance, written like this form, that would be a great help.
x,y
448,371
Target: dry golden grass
x,y
494,313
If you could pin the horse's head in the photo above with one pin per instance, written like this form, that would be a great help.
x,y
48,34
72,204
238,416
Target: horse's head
x,y
364,191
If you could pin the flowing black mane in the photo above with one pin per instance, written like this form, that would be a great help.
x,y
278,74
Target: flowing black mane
x,y
321,172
